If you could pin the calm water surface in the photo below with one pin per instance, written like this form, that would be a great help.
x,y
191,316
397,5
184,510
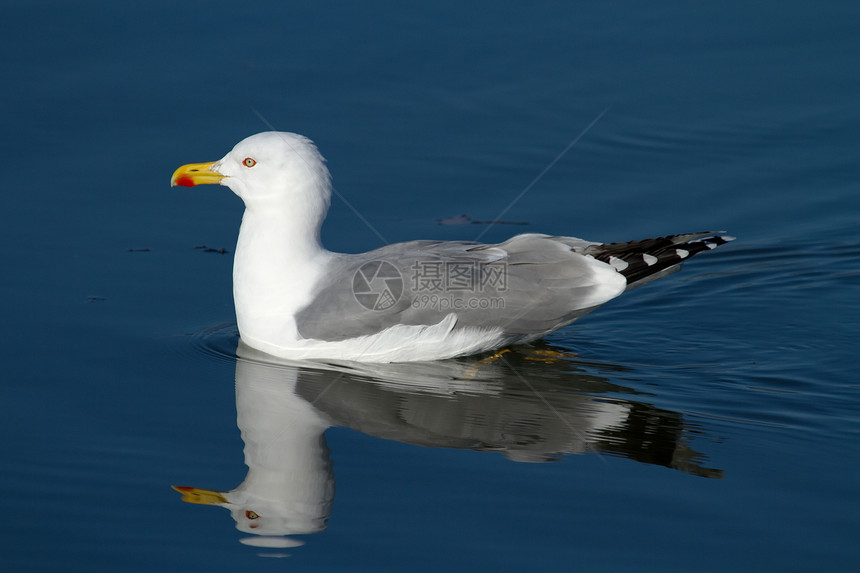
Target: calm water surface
x,y
706,422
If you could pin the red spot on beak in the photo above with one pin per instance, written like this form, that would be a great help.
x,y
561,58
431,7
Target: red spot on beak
x,y
185,181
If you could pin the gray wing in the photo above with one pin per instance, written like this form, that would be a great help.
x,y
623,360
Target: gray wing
x,y
527,286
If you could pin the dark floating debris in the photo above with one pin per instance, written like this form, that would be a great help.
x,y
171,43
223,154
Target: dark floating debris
x,y
135,250
205,249
455,220
466,220
92,298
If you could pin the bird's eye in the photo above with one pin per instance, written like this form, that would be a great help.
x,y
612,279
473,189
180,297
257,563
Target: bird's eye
x,y
249,162
251,514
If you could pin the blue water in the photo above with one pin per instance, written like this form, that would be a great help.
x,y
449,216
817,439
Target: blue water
x,y
706,422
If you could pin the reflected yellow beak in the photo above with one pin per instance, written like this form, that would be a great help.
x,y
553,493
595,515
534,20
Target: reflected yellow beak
x,y
201,496
195,174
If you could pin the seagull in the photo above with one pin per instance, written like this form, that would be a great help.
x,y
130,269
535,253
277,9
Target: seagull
x,y
414,301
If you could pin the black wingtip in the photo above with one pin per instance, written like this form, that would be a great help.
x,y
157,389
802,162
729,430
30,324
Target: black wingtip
x,y
647,259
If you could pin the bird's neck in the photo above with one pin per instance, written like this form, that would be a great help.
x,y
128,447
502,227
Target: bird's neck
x,y
289,465
276,266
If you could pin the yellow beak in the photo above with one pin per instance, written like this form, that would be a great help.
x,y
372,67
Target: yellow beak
x,y
201,496
195,174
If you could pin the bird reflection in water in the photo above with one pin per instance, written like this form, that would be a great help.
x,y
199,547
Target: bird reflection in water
x,y
531,404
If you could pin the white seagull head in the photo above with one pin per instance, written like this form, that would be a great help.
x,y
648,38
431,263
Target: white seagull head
x,y
269,168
